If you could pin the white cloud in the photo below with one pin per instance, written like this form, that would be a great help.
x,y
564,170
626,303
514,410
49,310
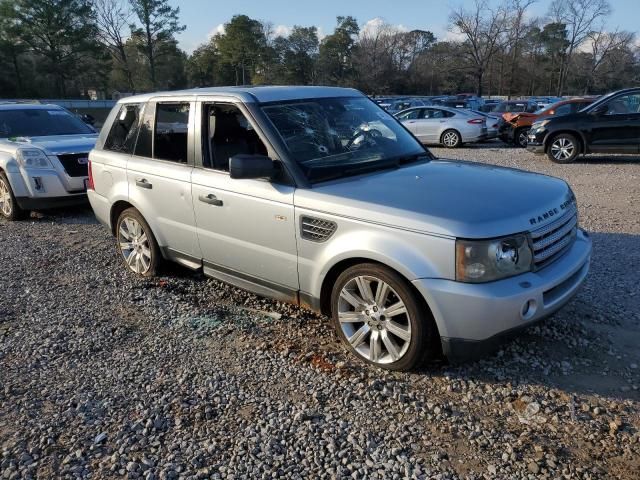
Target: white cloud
x,y
370,27
282,30
219,29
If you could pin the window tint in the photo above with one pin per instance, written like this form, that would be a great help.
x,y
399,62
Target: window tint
x,y
563,109
411,114
624,104
228,133
172,126
122,136
433,113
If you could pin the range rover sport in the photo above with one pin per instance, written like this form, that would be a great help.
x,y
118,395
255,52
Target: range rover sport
x,y
317,196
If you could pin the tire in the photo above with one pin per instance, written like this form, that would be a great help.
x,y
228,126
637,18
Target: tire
x,y
563,148
141,254
520,137
9,207
451,139
403,339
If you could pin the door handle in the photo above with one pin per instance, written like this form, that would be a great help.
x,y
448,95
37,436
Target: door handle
x,y
211,199
142,183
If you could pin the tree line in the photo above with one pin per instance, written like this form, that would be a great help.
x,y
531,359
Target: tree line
x,y
65,48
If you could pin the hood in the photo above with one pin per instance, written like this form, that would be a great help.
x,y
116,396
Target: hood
x,y
450,198
512,116
56,144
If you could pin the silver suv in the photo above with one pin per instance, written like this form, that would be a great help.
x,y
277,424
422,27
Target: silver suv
x,y
319,197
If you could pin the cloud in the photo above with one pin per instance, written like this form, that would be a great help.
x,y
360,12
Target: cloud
x,y
282,30
219,29
371,26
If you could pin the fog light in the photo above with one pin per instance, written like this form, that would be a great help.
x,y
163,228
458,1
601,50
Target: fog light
x,y
529,309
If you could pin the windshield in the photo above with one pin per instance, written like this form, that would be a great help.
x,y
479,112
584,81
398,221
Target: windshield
x,y
40,122
337,137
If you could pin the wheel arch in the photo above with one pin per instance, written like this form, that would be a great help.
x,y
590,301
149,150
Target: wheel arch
x,y
338,268
450,129
579,135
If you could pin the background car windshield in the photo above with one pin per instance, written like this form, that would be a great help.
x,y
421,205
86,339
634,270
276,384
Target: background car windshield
x,y
333,137
41,122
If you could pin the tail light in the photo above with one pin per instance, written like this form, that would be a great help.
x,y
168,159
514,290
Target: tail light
x,y
476,121
90,185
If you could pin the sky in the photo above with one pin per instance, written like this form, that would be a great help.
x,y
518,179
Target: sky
x,y
205,17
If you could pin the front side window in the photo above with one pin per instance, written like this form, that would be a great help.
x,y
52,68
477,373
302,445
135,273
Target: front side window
x,y
40,122
228,133
624,104
123,132
411,114
338,137
563,109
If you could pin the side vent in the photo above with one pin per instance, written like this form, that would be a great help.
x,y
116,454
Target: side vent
x,y
316,229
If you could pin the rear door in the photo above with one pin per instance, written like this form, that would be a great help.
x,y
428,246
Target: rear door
x,y
410,120
618,130
159,176
246,227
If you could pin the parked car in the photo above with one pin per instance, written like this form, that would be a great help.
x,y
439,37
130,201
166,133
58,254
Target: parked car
x,y
513,106
44,153
409,256
515,128
403,104
466,101
488,104
611,124
492,124
447,126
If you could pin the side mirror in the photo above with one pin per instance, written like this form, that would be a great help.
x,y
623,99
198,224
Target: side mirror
x,y
251,166
600,110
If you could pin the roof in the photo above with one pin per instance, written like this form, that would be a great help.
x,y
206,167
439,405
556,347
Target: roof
x,y
250,94
28,106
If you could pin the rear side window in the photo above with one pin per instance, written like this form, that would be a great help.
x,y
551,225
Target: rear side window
x,y
123,133
170,136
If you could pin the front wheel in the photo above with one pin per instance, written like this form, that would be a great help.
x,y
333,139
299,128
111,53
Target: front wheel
x,y
136,243
9,208
379,317
451,139
564,148
522,137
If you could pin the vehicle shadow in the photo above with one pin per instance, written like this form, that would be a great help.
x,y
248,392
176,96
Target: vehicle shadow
x,y
588,347
76,215
608,159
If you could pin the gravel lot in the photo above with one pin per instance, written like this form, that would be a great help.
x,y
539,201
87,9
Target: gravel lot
x,y
106,375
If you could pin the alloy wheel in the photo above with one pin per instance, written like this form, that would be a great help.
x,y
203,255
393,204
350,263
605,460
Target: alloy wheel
x,y
134,245
6,206
450,139
523,138
562,148
374,319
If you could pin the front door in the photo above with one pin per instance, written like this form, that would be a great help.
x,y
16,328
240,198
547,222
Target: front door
x,y
245,227
617,130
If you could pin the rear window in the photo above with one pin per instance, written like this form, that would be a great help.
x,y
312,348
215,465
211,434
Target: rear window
x,y
40,122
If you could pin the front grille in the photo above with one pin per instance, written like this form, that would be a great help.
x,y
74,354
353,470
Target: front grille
x,y
316,229
75,164
551,241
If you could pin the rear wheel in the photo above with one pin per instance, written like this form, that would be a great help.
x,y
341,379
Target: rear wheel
x,y
521,137
380,318
9,208
451,139
564,148
136,243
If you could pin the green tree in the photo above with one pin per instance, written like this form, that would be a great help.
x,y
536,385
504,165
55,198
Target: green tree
x,y
159,23
299,55
335,59
241,46
63,32
11,46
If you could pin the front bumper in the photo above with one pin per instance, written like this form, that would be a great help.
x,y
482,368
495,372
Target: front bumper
x,y
535,141
44,203
473,319
41,189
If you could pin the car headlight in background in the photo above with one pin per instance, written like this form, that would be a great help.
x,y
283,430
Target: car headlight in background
x,y
33,158
479,261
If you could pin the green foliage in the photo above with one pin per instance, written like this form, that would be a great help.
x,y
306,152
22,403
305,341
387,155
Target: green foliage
x,y
336,50
241,47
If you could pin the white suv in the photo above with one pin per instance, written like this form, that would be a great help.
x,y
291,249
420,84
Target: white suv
x,y
44,156
319,197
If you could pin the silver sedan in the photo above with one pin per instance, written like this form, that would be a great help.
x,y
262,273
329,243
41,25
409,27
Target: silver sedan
x,y
447,126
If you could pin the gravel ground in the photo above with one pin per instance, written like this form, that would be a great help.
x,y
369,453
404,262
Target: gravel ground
x,y
106,375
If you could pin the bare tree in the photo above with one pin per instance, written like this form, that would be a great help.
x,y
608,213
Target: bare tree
x,y
602,46
483,29
580,17
517,29
113,18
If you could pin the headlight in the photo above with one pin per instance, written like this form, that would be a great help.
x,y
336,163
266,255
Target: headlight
x,y
479,261
32,158
537,125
